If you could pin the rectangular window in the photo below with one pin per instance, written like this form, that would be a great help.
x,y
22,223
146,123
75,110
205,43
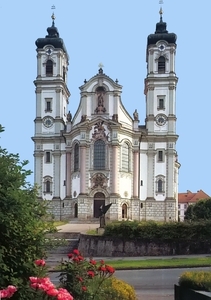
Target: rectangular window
x,y
160,155
48,105
178,205
161,103
47,156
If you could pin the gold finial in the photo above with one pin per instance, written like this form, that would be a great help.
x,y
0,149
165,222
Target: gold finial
x,y
161,9
53,16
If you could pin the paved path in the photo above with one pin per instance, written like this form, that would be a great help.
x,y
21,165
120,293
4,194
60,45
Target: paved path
x,y
77,227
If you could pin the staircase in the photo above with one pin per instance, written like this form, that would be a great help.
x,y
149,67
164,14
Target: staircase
x,y
71,241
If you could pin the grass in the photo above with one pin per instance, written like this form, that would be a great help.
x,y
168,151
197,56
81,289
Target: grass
x,y
92,232
124,264
59,223
160,263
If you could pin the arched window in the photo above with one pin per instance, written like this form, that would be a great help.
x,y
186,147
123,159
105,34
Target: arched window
x,y
125,157
124,211
160,186
48,185
49,68
76,157
99,155
161,64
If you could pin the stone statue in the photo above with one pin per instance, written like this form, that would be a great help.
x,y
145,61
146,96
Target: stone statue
x,y
69,117
135,115
103,211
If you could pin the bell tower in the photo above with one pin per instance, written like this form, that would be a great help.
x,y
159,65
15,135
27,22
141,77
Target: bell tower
x,y
51,116
160,141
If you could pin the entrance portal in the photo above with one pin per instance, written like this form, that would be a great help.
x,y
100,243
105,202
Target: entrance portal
x,y
99,199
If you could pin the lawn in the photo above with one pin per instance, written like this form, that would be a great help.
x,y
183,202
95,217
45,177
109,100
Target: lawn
x,y
124,264
121,264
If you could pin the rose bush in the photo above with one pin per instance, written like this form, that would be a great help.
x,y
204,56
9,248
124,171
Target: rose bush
x,y
84,278
80,279
38,288
92,280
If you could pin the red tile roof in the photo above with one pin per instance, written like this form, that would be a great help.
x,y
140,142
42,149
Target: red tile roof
x,y
190,197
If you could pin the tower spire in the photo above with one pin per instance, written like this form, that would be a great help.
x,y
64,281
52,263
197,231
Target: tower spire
x,y
161,10
53,16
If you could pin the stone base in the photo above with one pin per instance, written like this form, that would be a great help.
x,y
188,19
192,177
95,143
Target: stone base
x,y
100,230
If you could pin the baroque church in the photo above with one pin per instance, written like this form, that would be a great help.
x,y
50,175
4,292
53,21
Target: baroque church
x,y
102,154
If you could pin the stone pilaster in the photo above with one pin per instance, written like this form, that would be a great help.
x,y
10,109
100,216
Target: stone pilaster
x,y
135,173
82,169
68,175
114,169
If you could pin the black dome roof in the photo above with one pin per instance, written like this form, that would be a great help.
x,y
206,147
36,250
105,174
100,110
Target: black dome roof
x,y
161,33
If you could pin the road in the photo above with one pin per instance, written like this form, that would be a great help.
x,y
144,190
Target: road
x,y
149,284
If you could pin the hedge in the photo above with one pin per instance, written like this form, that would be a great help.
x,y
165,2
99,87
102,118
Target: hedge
x,y
164,231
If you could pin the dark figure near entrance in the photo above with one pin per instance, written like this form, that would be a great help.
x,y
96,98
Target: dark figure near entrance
x,y
103,211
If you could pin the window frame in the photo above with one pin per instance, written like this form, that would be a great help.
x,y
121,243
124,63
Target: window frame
x,y
49,68
161,99
160,184
125,157
48,157
47,185
76,158
160,156
161,65
48,104
99,159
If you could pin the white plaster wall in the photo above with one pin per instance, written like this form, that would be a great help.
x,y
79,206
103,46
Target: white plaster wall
x,y
76,185
143,176
124,118
63,176
125,185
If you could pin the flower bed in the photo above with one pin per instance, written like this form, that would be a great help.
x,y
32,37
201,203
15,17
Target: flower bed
x,y
80,279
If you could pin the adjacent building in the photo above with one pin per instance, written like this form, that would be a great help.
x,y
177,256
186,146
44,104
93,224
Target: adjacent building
x,y
188,198
102,154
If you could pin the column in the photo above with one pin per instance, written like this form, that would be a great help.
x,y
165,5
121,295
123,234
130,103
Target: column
x,y
82,169
68,174
135,173
57,174
114,169
150,173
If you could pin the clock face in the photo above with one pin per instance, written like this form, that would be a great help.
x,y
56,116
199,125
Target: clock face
x,y
160,119
161,47
48,51
48,122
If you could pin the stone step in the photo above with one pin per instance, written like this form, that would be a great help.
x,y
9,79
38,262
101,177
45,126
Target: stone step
x,y
70,245
64,235
88,221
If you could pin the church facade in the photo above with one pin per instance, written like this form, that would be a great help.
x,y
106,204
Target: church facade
x,y
102,154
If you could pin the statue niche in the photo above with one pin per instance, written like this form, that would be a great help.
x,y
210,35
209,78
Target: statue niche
x,y
100,91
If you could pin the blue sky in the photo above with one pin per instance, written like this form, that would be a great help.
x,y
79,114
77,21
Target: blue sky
x,y
113,32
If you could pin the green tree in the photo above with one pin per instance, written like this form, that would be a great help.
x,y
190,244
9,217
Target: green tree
x,y
199,211
23,223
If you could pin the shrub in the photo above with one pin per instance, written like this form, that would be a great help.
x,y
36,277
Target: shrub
x,y
119,290
196,280
91,280
162,231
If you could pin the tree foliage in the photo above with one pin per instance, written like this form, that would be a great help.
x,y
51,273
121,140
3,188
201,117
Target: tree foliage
x,y
199,211
23,224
